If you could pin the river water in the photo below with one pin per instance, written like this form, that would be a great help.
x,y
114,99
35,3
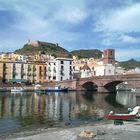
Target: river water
x,y
30,110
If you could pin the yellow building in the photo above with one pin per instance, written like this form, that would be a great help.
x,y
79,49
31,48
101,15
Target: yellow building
x,y
32,72
4,71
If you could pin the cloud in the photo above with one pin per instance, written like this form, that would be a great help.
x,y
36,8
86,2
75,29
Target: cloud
x,y
126,54
124,20
72,15
117,24
43,20
69,23
129,39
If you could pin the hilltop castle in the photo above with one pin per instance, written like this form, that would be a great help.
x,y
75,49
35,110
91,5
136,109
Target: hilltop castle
x,y
40,43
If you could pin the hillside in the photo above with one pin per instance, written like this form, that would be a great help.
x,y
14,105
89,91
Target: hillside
x,y
42,47
130,64
87,53
36,47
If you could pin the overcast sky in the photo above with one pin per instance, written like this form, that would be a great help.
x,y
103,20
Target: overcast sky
x,y
73,24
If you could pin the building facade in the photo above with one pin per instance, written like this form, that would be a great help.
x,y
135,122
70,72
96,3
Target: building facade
x,y
60,69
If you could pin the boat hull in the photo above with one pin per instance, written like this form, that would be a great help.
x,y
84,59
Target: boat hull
x,y
120,116
57,90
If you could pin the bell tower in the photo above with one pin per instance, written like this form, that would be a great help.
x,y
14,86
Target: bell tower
x,y
109,56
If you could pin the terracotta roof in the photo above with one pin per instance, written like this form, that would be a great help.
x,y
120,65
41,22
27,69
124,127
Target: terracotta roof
x,y
85,67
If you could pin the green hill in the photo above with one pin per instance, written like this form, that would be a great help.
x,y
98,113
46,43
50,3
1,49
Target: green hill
x,y
130,64
37,47
44,48
87,53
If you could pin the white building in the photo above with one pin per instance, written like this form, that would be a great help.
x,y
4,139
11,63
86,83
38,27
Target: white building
x,y
17,72
60,69
85,71
119,70
107,69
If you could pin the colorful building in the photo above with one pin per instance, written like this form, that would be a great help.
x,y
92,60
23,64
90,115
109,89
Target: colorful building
x,y
19,72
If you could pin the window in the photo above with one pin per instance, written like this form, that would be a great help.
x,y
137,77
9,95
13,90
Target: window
x,y
61,78
70,62
45,71
40,69
62,62
111,52
62,67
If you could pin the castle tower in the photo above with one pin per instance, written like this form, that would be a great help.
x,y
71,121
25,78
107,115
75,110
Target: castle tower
x,y
109,56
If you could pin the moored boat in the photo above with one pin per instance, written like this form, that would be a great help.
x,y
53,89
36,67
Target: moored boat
x,y
56,89
135,111
17,89
3,89
121,116
42,89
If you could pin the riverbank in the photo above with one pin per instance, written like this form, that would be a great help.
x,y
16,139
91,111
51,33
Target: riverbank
x,y
103,131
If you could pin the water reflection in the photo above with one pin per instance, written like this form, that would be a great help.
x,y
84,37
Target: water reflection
x,y
37,109
126,98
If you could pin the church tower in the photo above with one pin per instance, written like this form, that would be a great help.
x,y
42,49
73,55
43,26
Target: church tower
x,y
109,56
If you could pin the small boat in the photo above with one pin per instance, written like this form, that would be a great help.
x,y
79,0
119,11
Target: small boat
x,y
116,116
135,111
17,89
121,116
56,89
3,89
133,89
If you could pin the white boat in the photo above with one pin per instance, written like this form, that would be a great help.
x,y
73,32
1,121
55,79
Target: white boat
x,y
56,89
133,90
17,89
135,111
3,89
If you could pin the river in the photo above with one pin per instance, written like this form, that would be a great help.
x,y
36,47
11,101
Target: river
x,y
31,110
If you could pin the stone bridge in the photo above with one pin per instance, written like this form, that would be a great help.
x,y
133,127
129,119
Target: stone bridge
x,y
102,83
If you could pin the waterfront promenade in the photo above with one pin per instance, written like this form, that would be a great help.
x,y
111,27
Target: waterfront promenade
x,y
102,131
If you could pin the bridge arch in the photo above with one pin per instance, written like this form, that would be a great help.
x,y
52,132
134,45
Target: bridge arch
x,y
89,85
111,86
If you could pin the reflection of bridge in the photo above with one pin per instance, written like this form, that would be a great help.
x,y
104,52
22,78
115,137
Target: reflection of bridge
x,y
102,83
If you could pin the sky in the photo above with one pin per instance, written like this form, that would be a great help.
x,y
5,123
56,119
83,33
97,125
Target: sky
x,y
73,24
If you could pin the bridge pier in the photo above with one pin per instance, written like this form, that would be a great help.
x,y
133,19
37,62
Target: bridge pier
x,y
103,89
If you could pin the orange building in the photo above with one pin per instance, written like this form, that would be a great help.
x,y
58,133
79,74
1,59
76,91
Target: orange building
x,y
41,72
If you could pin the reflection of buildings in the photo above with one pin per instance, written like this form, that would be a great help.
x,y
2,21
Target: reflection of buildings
x,y
55,106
